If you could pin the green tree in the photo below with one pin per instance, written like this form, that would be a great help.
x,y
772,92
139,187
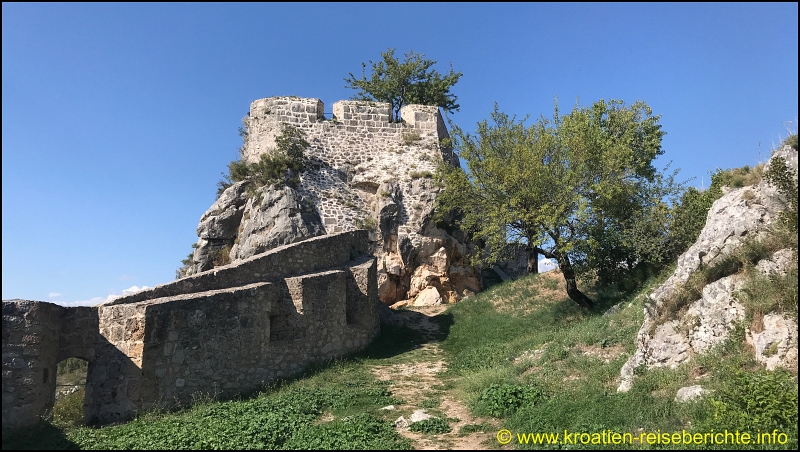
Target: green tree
x,y
580,189
410,82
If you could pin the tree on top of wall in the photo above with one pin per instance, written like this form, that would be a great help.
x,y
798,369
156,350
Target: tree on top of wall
x,y
410,82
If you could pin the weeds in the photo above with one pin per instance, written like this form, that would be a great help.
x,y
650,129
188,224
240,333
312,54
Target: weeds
x,y
420,174
743,257
410,138
368,223
434,425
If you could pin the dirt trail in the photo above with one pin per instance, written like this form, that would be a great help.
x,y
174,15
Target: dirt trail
x,y
417,381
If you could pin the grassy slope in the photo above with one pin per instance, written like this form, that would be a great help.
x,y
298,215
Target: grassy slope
x,y
574,357
520,351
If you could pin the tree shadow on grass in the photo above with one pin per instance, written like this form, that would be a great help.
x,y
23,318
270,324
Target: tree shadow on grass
x,y
42,436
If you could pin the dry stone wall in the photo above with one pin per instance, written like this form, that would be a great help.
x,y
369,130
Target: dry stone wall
x,y
221,332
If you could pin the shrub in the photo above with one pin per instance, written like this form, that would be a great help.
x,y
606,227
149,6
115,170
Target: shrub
x,y
186,265
434,425
791,140
770,293
410,138
502,400
785,179
68,410
761,400
71,365
222,256
272,168
737,177
419,174
369,223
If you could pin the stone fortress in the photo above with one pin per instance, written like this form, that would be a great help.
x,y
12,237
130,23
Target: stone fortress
x,y
363,171
303,286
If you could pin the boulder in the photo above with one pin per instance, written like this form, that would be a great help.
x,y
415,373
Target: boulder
x,y
218,227
689,393
428,297
776,345
274,217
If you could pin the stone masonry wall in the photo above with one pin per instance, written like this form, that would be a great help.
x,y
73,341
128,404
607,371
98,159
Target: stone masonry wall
x,y
354,153
296,305
308,256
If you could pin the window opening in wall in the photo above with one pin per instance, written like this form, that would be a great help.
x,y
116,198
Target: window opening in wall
x,y
70,392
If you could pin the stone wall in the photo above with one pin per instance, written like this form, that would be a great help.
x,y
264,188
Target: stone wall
x,y
308,256
296,305
355,152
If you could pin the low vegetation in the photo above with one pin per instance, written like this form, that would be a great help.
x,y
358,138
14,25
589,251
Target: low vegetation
x,y
520,354
280,166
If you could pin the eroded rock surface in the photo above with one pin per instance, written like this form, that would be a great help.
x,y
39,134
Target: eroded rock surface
x,y
741,214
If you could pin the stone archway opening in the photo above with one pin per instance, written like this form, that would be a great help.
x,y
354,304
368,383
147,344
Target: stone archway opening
x,y
70,392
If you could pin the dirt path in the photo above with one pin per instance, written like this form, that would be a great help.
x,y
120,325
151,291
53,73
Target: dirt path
x,y
417,381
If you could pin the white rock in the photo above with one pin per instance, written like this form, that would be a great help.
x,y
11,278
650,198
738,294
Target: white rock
x,y
401,422
776,345
689,393
419,415
428,297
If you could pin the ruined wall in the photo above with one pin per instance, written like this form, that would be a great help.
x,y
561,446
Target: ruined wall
x,y
36,337
309,256
147,351
355,152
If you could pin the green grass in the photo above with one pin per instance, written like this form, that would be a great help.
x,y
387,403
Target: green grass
x,y
570,384
566,381
289,415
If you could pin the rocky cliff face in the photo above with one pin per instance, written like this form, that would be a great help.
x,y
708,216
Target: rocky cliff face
x,y
361,172
739,215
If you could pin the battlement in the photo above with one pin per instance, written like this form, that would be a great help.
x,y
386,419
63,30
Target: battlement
x,y
355,127
225,331
300,110
289,109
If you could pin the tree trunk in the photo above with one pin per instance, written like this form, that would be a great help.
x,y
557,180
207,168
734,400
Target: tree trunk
x,y
572,287
533,260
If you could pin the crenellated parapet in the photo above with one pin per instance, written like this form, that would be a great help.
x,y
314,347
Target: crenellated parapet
x,y
367,123
226,331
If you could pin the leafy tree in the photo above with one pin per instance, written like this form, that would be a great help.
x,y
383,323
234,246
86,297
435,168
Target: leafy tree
x,y
410,82
580,189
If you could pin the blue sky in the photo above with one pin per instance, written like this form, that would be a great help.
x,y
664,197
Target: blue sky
x,y
118,119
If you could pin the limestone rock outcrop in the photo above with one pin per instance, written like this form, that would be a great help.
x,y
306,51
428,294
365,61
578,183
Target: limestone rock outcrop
x,y
275,217
218,227
740,214
361,171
